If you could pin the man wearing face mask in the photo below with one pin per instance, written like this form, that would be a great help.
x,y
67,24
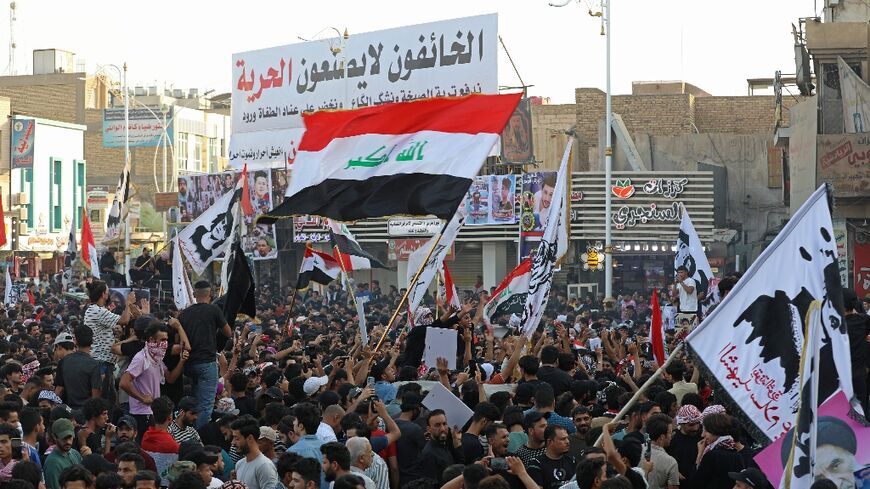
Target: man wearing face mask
x,y
146,372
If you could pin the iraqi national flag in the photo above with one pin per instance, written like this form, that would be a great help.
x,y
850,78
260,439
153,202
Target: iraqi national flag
x,y
348,251
447,289
412,158
690,254
657,334
89,248
119,206
750,345
510,296
317,267
553,246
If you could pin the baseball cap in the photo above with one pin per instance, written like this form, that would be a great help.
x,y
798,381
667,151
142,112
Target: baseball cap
x,y
128,421
64,338
751,476
313,384
267,433
62,428
188,403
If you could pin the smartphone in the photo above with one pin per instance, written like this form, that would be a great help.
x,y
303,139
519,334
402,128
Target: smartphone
x,y
16,448
648,454
370,382
498,464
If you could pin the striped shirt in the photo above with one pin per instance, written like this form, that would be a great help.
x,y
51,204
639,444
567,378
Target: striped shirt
x,y
101,321
378,472
182,435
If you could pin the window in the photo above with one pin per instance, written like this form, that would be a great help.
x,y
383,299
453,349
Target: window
x,y
79,193
213,154
197,154
181,151
27,187
774,167
55,193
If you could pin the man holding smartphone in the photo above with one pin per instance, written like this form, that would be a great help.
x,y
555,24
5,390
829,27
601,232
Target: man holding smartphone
x,y
9,454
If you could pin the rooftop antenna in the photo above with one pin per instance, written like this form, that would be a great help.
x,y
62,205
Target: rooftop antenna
x,y
12,20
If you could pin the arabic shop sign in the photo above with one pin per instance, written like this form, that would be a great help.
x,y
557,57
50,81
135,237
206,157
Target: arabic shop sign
x,y
273,86
844,162
631,215
669,188
413,152
413,227
146,128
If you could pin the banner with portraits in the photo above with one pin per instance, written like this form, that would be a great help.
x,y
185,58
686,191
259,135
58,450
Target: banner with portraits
x,y
196,193
491,200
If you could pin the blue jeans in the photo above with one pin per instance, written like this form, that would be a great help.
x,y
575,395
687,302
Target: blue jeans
x,y
204,377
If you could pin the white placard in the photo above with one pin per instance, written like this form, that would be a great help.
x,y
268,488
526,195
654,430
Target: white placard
x,y
271,87
455,410
413,227
361,312
440,342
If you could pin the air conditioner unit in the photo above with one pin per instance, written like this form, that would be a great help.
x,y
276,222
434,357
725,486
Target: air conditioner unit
x,y
22,229
22,213
833,3
20,198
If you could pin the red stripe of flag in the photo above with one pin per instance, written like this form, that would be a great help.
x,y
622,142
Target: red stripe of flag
x,y
471,114
88,243
2,223
657,335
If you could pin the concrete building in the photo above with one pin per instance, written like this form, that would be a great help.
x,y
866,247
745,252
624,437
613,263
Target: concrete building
x,y
816,142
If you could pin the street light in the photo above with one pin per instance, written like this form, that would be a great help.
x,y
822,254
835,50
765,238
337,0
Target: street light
x,y
123,76
608,151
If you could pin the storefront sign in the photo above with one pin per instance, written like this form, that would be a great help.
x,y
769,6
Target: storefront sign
x,y
630,216
23,131
311,237
45,243
844,162
413,227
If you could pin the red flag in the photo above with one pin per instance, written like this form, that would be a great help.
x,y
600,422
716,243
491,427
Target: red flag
x,y
247,208
30,298
2,223
451,296
89,247
656,331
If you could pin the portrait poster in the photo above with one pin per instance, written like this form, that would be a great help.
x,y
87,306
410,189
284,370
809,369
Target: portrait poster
x,y
502,199
477,203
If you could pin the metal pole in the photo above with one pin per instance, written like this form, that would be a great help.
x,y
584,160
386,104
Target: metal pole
x,y
130,176
608,168
165,141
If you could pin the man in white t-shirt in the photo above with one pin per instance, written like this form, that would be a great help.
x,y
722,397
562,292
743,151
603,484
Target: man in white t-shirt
x,y
686,288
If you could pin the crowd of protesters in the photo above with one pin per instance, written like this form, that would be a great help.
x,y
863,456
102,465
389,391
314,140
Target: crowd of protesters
x,y
140,395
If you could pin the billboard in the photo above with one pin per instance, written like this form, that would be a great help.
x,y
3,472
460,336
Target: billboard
x,y
146,128
273,86
23,136
516,138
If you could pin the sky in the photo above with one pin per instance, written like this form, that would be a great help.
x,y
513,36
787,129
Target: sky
x,y
189,43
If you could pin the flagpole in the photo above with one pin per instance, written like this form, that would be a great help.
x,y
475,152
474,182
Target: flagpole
x,y
408,289
653,378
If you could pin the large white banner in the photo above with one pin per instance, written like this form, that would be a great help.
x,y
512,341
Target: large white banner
x,y
751,343
273,86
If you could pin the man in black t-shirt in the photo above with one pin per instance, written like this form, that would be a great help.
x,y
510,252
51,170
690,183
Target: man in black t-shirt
x,y
555,466
201,322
